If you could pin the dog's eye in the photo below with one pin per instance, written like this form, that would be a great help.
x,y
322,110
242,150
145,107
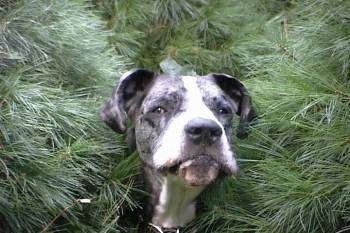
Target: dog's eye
x,y
223,111
158,110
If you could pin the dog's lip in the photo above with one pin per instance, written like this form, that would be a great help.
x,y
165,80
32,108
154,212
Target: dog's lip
x,y
175,165
171,168
199,170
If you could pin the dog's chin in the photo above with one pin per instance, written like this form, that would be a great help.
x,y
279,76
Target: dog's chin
x,y
199,171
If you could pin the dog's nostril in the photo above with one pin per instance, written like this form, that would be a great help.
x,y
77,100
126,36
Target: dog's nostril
x,y
203,130
216,132
194,130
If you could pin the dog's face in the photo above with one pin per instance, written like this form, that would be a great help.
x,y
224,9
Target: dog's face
x,y
182,124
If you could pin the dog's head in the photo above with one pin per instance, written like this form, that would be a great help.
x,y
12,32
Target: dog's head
x,y
181,124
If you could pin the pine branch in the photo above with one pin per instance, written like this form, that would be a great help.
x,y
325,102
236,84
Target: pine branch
x,y
55,68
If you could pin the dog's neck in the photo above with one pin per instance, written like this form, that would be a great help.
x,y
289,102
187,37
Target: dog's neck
x,y
175,205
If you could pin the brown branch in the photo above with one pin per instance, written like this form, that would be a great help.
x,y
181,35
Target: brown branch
x,y
62,212
56,217
287,52
285,26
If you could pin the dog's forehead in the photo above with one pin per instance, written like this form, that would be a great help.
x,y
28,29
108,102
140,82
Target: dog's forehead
x,y
206,85
167,83
183,85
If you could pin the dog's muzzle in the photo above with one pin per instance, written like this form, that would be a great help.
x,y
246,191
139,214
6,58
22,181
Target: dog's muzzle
x,y
200,168
200,171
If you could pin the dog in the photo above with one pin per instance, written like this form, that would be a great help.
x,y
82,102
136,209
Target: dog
x,y
182,129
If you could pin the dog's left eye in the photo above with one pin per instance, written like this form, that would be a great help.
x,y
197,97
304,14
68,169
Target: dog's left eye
x,y
158,110
223,111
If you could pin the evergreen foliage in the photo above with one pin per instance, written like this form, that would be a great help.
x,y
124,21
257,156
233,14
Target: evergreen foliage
x,y
56,71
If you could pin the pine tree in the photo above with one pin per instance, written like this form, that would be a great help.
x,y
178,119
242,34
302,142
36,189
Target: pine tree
x,y
56,71
60,169
294,58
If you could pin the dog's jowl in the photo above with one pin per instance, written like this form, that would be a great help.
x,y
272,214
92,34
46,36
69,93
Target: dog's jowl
x,y
181,126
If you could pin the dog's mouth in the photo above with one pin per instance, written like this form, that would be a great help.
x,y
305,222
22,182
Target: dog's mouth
x,y
199,171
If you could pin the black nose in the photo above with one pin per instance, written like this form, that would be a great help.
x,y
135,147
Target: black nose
x,y
200,130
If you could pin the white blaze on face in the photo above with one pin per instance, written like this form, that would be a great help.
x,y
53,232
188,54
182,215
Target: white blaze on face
x,y
170,146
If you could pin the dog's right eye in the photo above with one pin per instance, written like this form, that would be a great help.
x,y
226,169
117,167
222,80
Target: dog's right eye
x,y
158,110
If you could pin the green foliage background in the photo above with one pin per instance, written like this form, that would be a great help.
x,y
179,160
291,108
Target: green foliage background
x,y
60,59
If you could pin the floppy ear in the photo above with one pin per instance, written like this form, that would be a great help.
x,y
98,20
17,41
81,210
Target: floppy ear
x,y
126,98
237,91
